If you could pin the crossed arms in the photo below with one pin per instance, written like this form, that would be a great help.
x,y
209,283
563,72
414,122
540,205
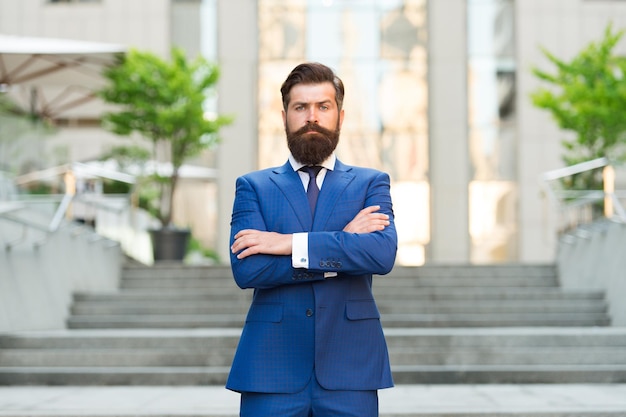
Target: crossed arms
x,y
251,242
263,235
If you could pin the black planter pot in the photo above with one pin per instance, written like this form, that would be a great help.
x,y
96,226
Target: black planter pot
x,y
169,244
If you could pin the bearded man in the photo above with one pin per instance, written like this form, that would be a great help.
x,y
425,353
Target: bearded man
x,y
308,237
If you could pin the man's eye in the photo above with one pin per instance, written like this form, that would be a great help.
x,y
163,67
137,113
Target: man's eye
x,y
324,107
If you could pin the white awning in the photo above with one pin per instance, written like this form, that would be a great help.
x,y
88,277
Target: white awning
x,y
48,76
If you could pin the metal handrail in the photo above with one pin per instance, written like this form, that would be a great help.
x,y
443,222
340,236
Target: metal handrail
x,y
8,208
78,167
60,212
568,171
567,201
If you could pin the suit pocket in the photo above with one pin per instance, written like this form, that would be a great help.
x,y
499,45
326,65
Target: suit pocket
x,y
265,312
362,310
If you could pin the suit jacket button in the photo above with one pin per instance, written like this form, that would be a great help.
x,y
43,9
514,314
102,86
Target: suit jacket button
x,y
309,312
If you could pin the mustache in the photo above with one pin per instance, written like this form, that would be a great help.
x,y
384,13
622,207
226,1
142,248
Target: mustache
x,y
312,127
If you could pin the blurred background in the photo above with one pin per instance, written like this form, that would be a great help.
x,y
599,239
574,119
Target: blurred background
x,y
437,95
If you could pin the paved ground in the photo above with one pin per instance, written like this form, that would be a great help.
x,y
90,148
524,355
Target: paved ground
x,y
405,400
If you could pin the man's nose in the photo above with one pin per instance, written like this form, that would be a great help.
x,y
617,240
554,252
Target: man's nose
x,y
312,115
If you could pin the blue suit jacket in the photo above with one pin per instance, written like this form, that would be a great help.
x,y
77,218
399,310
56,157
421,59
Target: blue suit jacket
x,y
299,322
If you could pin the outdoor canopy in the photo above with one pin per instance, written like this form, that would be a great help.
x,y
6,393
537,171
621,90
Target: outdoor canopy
x,y
49,76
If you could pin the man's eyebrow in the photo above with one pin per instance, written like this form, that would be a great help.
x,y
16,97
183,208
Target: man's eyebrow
x,y
296,103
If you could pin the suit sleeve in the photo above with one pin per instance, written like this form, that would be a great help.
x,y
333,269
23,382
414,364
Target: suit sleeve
x,y
357,254
260,270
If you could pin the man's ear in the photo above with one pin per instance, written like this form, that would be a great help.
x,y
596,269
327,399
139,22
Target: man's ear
x,y
341,114
284,118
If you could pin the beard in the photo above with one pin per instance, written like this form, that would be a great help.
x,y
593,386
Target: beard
x,y
312,148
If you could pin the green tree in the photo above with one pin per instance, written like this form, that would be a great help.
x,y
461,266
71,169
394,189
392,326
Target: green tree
x,y
163,101
588,97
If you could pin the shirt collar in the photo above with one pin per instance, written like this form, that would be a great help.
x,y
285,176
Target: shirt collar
x,y
329,163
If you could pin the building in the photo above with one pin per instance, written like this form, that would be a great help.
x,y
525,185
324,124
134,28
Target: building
x,y
437,94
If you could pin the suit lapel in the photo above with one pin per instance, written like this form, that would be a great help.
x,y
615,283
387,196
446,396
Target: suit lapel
x,y
289,182
333,188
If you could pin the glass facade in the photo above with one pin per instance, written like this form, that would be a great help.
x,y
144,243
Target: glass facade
x,y
379,49
492,130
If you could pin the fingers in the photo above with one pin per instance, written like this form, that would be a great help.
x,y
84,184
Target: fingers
x,y
250,242
368,210
367,221
244,240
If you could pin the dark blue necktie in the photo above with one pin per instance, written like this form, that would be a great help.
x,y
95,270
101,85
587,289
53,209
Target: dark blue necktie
x,y
312,190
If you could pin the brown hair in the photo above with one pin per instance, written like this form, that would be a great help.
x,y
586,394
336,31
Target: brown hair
x,y
312,73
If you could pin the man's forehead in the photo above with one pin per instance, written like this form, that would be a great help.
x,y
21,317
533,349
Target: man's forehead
x,y
312,92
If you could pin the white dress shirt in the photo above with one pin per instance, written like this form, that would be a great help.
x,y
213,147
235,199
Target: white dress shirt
x,y
300,241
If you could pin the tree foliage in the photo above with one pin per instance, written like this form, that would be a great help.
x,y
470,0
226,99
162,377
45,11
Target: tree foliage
x,y
164,101
588,97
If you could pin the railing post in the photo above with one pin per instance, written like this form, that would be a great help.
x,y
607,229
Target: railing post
x,y
608,179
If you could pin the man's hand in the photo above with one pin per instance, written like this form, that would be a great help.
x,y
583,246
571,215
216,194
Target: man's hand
x,y
250,242
367,221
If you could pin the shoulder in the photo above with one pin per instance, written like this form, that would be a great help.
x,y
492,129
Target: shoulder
x,y
265,173
359,171
268,177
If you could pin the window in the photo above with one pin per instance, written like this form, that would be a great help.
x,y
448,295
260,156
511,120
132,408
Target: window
x,y
492,130
379,49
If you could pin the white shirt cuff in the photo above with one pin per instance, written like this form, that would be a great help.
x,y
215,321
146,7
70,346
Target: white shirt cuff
x,y
300,250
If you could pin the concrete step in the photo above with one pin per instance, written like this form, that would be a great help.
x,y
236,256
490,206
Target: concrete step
x,y
175,357
510,374
181,376
381,293
525,355
125,307
214,294
484,400
176,283
190,321
389,320
491,306
471,270
158,308
483,293
174,269
479,281
100,376
429,356
208,338
185,357
415,281
495,320
122,339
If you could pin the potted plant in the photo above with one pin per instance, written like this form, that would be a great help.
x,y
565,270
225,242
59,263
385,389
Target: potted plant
x,y
586,96
164,102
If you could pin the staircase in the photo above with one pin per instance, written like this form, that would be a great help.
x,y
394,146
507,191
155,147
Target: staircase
x,y
430,296
484,296
167,296
173,325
